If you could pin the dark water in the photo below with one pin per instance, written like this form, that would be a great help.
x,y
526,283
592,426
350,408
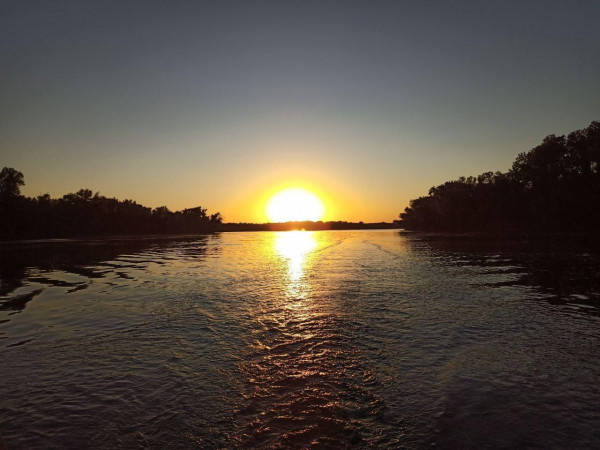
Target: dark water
x,y
323,339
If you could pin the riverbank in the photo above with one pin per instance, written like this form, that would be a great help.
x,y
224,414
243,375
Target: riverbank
x,y
223,228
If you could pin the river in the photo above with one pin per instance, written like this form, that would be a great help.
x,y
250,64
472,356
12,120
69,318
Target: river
x,y
326,339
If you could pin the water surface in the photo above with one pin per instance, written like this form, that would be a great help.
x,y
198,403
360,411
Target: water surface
x,y
300,339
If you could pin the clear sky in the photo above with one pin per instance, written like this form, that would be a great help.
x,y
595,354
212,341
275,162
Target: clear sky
x,y
222,103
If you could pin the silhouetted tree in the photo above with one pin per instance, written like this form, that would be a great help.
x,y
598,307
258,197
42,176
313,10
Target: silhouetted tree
x,y
11,181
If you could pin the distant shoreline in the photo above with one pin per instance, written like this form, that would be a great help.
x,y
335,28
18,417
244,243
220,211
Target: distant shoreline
x,y
308,226
225,228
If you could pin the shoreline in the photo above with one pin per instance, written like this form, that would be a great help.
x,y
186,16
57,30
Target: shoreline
x,y
225,228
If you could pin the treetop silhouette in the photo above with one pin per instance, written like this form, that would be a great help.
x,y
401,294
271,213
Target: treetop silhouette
x,y
553,187
85,213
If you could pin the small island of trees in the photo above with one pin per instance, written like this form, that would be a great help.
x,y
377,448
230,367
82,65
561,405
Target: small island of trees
x,y
553,187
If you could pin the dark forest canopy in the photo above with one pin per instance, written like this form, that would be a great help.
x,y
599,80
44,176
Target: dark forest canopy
x,y
553,187
85,213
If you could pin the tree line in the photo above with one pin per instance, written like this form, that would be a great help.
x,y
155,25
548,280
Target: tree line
x,y
553,187
308,226
85,213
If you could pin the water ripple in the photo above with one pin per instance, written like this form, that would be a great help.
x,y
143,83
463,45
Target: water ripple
x,y
312,340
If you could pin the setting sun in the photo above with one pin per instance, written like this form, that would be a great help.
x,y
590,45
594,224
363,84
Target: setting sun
x,y
294,204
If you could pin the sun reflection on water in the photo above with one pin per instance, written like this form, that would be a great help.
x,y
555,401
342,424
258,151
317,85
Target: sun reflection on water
x,y
295,247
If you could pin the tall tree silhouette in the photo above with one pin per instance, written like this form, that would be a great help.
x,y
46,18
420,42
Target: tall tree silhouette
x,y
11,181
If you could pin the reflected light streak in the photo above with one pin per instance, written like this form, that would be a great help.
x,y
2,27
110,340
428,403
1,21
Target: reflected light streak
x,y
295,246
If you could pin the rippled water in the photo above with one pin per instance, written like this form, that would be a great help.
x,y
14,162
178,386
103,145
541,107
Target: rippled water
x,y
300,339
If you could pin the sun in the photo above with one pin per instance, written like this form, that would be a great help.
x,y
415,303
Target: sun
x,y
294,204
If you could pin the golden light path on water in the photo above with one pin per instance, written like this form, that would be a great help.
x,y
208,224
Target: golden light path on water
x,y
295,247
303,369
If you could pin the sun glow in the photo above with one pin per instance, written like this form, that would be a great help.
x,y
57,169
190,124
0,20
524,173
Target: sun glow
x,y
294,204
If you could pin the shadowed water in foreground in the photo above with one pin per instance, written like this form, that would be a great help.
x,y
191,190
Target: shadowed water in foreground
x,y
299,339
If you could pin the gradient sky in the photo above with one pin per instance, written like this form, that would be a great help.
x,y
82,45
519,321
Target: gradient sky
x,y
221,103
